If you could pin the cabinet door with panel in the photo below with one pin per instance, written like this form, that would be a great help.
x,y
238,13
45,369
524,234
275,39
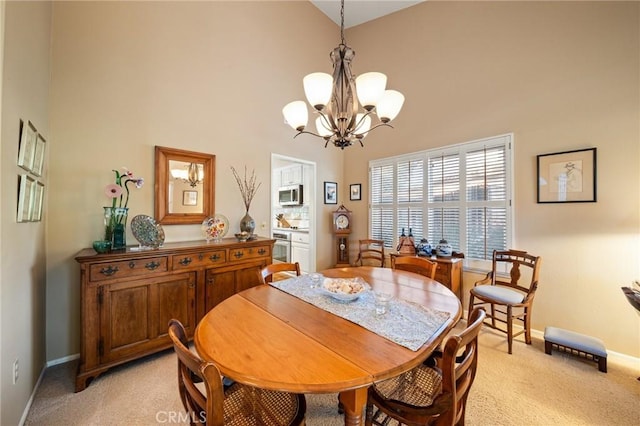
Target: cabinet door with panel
x,y
128,297
219,286
134,314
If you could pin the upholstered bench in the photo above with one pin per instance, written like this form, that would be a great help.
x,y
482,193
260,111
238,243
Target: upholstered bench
x,y
578,343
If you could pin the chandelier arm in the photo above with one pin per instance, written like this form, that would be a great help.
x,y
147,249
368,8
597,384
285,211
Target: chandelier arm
x,y
307,133
326,121
373,128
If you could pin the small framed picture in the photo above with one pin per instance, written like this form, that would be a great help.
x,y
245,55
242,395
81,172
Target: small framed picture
x,y
189,198
330,193
567,177
38,158
27,149
38,197
25,196
354,192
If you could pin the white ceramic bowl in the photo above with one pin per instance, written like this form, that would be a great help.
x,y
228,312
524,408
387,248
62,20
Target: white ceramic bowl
x,y
344,289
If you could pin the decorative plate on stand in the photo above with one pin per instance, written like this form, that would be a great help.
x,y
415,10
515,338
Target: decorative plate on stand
x,y
147,231
215,227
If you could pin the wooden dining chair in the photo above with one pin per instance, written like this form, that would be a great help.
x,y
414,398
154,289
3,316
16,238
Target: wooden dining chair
x,y
370,253
431,395
418,265
503,297
275,268
222,405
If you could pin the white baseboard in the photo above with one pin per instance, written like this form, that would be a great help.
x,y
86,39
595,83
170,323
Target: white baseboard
x,y
48,364
33,394
62,360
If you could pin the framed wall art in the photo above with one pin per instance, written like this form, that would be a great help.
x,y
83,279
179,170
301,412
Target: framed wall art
x,y
25,195
27,150
567,177
330,193
355,192
37,198
189,198
38,157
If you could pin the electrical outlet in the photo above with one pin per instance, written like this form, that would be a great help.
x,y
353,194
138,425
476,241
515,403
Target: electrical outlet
x,y
15,371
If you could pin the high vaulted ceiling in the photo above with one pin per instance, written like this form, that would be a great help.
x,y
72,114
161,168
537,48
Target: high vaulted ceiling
x,y
357,12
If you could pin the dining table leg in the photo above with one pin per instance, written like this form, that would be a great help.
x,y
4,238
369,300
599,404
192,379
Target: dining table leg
x,y
354,402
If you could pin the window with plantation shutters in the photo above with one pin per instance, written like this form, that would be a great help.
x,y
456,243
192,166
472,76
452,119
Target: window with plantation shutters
x,y
461,193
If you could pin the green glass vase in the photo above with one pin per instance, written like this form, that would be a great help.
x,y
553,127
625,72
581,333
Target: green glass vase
x,y
115,226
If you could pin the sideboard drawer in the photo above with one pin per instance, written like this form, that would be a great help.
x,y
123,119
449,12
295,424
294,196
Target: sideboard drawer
x,y
443,273
239,254
191,260
127,268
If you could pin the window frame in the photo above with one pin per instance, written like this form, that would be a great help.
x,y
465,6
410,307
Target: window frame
x,y
461,149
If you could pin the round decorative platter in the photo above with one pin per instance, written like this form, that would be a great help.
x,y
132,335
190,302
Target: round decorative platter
x,y
215,227
147,231
344,289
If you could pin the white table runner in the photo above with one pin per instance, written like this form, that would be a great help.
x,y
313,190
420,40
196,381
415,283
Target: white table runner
x,y
405,323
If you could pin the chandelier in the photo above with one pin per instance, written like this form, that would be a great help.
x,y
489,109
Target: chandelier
x,y
333,98
192,175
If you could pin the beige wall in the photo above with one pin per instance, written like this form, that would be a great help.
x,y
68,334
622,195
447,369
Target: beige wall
x,y
202,76
213,77
25,88
560,76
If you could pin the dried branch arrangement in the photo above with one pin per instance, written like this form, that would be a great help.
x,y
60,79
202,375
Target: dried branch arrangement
x,y
248,188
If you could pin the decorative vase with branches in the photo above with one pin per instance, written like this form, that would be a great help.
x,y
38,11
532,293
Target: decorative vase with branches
x,y
248,188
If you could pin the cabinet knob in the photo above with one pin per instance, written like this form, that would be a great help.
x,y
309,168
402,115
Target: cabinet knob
x,y
200,256
214,257
238,254
132,264
109,270
185,261
152,265
261,251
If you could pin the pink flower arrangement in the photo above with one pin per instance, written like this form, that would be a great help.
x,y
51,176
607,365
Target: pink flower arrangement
x,y
120,189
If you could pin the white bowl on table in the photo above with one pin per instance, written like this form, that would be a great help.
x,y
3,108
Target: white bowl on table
x,y
344,289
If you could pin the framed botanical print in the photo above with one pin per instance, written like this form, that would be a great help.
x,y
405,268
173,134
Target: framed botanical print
x,y
25,196
567,177
189,198
38,158
330,193
354,192
37,199
27,150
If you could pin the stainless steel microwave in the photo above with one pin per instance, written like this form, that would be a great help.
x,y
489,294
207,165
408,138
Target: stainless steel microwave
x,y
290,195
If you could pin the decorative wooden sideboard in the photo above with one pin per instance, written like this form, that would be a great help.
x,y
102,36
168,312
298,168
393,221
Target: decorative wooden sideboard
x,y
448,272
128,296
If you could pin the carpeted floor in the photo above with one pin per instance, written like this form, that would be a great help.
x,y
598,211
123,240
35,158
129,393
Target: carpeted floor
x,y
526,388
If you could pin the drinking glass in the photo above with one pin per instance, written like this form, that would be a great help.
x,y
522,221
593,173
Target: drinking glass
x,y
316,279
382,302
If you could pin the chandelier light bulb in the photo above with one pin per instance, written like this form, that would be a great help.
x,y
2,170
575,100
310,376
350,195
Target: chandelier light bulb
x,y
370,87
389,105
317,88
296,115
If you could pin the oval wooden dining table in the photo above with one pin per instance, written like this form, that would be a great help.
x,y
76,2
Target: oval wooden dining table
x,y
267,338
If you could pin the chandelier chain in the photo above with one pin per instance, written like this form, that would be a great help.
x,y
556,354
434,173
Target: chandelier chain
x,y
342,22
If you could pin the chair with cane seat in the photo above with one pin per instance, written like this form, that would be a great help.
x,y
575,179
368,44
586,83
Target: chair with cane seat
x,y
431,395
225,405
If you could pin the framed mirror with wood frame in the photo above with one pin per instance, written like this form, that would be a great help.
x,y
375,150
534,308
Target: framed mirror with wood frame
x,y
184,186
